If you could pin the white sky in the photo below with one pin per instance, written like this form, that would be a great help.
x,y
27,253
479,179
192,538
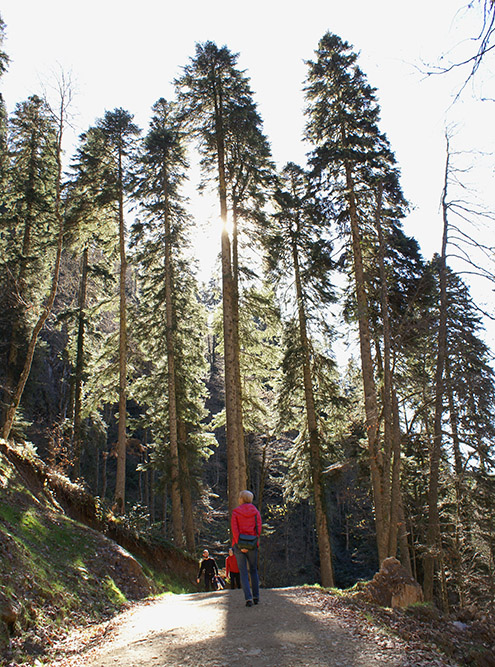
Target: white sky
x,y
126,54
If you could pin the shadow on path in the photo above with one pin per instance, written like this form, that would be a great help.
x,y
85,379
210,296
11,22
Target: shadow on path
x,y
218,630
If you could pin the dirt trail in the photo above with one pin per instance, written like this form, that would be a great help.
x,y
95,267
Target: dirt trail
x,y
288,628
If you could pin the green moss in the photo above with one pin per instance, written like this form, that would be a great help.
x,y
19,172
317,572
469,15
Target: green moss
x,y
8,513
113,592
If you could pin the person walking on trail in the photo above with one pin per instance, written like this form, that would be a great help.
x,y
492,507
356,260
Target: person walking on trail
x,y
232,570
246,529
209,568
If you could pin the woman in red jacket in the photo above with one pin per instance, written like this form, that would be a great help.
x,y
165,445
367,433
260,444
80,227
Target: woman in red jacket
x,y
246,521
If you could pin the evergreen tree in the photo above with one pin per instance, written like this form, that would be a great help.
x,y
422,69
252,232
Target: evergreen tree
x,y
163,165
28,204
28,228
114,142
4,63
91,239
355,173
298,247
217,102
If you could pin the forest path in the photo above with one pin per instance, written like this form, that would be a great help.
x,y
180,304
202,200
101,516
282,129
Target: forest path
x,y
290,627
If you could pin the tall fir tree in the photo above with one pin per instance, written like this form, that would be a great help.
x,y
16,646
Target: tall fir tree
x,y
217,103
163,167
355,173
298,247
115,137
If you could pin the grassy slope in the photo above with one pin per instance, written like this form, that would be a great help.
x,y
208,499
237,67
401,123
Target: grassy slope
x,y
57,572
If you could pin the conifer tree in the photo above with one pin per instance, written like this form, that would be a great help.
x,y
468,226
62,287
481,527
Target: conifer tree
x,y
298,247
91,239
28,203
355,173
55,216
114,142
4,58
4,63
217,102
163,166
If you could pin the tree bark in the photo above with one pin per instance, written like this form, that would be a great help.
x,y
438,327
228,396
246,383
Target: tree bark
x,y
324,546
172,400
370,394
392,434
122,436
185,480
433,537
243,476
76,429
231,400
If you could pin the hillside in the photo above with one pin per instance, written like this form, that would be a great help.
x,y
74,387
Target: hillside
x,y
64,562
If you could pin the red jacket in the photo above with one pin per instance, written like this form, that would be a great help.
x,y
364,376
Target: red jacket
x,y
231,565
246,520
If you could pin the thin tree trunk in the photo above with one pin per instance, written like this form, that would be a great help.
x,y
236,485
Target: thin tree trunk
x,y
433,536
185,480
233,473
370,395
322,531
460,574
104,475
237,363
172,400
76,430
122,437
263,475
391,447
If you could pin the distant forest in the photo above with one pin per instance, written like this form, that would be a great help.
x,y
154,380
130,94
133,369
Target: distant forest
x,y
165,397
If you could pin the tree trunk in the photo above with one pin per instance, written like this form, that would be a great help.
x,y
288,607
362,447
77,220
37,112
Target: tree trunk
x,y
370,395
391,462
76,429
324,546
433,537
185,480
104,456
172,400
237,351
122,437
231,402
461,518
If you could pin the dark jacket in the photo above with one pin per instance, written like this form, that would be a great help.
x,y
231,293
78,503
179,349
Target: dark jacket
x,y
209,567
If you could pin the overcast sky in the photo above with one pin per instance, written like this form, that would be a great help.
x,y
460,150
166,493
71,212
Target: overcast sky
x,y
126,54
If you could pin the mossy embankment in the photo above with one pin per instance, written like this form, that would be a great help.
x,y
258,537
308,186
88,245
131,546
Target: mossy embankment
x,y
66,561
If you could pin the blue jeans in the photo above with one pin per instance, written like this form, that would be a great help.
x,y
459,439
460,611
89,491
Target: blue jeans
x,y
250,558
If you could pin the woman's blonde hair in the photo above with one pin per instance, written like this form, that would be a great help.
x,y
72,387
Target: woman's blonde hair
x,y
246,497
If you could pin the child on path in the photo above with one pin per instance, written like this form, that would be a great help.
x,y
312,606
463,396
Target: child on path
x,y
232,570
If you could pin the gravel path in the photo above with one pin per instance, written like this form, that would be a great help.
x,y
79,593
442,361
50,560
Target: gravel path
x,y
288,628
